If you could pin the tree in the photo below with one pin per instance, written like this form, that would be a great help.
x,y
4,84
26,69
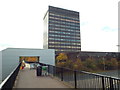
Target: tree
x,y
75,66
90,64
114,63
69,64
61,59
111,64
101,63
62,56
78,65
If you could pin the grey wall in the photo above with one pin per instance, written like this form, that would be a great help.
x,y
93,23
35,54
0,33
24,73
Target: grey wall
x,y
0,66
11,58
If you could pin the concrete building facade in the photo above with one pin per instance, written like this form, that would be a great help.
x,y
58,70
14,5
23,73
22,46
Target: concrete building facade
x,y
62,30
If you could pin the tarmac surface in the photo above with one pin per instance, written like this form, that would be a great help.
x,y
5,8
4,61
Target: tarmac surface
x,y
27,79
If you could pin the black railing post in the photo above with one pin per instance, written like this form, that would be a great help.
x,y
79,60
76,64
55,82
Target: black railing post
x,y
61,74
75,79
48,70
111,84
103,84
54,71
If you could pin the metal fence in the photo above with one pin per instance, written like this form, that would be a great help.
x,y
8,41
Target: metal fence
x,y
9,81
82,79
77,79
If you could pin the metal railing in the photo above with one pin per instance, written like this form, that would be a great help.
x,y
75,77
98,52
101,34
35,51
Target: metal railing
x,y
82,79
9,81
77,79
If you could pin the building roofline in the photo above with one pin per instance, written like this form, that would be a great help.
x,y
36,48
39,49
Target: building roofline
x,y
63,9
101,51
28,49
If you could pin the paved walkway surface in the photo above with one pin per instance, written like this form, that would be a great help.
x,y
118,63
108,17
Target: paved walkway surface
x,y
27,79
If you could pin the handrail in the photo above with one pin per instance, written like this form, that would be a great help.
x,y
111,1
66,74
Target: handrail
x,y
8,77
90,73
99,80
101,75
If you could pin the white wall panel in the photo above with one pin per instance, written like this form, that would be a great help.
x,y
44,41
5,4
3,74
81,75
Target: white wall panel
x,y
11,57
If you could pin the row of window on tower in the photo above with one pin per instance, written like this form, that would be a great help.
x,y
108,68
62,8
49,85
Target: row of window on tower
x,y
62,19
65,43
63,36
63,22
66,33
65,39
64,29
62,26
63,16
64,46
68,50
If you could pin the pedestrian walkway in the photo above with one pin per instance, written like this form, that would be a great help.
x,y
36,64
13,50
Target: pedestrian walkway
x,y
27,79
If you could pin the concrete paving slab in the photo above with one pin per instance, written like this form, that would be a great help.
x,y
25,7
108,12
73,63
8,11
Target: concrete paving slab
x,y
27,79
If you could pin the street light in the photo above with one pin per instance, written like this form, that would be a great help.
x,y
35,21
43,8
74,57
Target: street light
x,y
103,62
118,47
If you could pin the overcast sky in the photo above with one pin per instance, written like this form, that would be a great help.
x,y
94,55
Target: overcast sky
x,y
21,23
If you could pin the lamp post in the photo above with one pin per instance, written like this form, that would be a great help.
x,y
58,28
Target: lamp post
x,y
118,47
104,62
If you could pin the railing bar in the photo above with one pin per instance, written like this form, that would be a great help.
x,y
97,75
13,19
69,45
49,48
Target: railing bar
x,y
108,84
96,80
99,75
100,82
115,83
118,83
87,79
83,86
91,84
99,78
90,81
91,73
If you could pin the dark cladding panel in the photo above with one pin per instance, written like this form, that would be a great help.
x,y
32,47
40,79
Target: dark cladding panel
x,y
63,11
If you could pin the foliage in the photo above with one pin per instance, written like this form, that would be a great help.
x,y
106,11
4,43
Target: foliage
x,y
88,64
101,63
62,56
78,65
29,58
69,64
111,64
61,59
